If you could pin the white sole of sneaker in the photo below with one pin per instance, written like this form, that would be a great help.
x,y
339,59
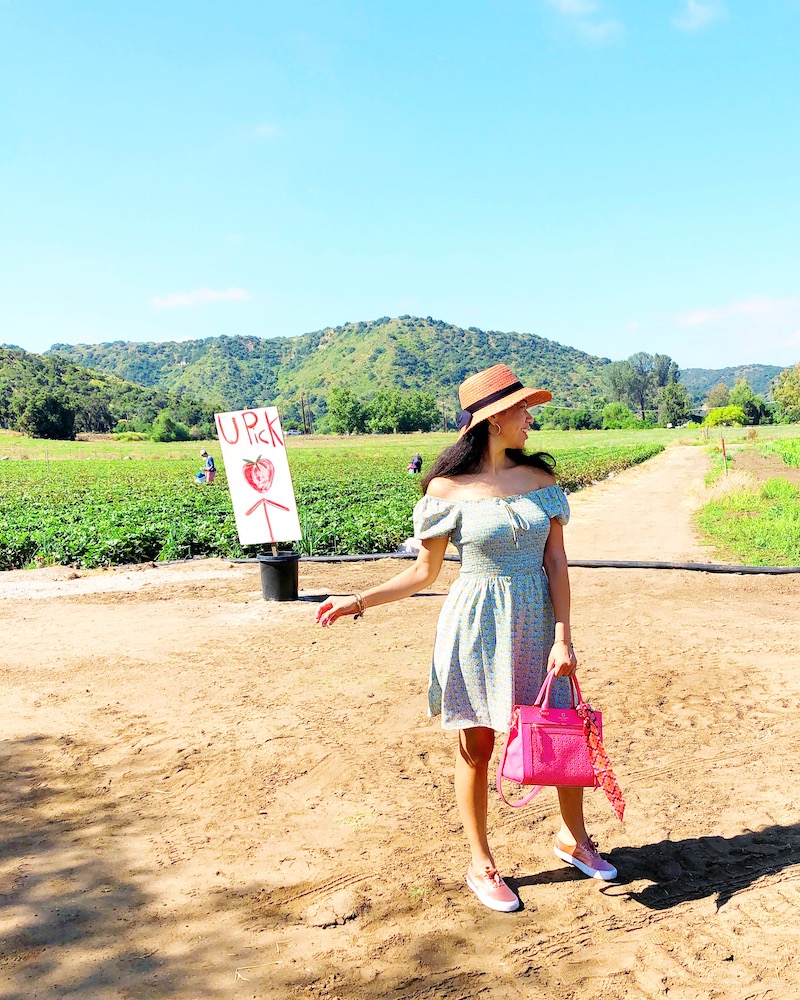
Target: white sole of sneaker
x,y
493,904
591,872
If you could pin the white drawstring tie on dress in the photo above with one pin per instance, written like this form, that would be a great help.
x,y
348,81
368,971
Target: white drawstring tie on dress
x,y
516,520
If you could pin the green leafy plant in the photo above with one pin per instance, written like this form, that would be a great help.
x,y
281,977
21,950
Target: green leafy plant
x,y
351,500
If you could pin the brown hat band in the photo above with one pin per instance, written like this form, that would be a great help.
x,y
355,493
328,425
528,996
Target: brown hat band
x,y
464,418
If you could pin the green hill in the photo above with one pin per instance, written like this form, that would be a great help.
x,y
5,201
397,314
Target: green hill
x,y
56,390
404,353
699,380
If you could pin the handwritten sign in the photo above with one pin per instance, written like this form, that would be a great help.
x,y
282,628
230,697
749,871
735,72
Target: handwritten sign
x,y
254,453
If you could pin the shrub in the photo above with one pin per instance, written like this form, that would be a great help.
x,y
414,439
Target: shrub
x,y
617,416
167,429
725,416
45,414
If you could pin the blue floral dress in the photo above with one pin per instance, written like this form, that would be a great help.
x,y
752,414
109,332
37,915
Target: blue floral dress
x,y
496,626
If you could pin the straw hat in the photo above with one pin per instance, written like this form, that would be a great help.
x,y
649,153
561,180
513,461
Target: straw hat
x,y
491,391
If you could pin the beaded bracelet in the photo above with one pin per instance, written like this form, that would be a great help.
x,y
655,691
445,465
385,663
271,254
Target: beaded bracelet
x,y
362,606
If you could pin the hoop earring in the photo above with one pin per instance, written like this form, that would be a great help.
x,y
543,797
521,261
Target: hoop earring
x,y
496,427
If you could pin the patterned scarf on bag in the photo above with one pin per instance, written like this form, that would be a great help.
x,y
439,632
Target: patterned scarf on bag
x,y
606,778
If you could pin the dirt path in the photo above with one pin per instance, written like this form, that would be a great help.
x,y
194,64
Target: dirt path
x,y
205,797
643,514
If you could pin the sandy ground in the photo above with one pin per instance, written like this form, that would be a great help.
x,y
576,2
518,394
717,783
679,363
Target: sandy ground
x,y
203,796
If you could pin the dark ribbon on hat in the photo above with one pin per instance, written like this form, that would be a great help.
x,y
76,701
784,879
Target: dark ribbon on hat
x,y
464,418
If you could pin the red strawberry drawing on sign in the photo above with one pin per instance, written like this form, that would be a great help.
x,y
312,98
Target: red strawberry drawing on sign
x,y
259,473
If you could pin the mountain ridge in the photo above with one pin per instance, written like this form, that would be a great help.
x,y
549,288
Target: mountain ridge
x,y
389,353
404,352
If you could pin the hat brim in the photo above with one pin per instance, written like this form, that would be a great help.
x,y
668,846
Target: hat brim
x,y
531,397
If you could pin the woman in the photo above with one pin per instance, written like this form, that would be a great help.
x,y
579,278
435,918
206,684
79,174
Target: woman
x,y
506,620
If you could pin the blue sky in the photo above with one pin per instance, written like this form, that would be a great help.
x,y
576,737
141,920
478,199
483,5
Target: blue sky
x,y
616,176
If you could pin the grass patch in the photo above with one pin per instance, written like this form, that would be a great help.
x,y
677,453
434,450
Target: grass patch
x,y
716,469
759,526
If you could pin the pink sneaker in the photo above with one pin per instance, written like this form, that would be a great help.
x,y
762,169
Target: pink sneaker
x,y
585,858
492,891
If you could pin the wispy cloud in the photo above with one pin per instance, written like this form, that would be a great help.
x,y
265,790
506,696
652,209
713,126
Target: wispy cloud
x,y
749,330
265,130
584,18
759,309
199,297
601,32
695,16
573,8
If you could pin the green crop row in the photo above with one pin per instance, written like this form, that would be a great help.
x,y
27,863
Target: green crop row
x,y
110,512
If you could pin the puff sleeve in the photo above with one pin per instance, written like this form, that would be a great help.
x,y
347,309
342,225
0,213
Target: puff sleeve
x,y
435,518
554,503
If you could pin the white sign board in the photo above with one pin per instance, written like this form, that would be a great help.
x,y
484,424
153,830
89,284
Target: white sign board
x,y
257,468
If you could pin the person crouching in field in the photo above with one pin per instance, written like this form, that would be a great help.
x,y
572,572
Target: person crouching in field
x,y
506,619
210,470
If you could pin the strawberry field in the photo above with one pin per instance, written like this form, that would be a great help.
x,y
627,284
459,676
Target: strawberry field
x,y
351,500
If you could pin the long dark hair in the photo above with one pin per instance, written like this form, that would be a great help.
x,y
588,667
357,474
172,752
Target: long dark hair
x,y
467,453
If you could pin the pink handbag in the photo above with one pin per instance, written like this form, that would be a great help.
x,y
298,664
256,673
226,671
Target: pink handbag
x,y
557,746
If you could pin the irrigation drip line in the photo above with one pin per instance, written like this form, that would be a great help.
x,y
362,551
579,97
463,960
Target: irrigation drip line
x,y
697,567
577,563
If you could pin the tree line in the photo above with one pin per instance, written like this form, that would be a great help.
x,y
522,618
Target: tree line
x,y
642,391
645,392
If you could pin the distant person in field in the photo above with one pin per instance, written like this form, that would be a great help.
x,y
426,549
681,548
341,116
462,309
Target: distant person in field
x,y
415,465
210,469
506,619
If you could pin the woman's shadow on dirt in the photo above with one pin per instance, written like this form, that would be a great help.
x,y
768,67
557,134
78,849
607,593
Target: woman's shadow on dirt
x,y
681,871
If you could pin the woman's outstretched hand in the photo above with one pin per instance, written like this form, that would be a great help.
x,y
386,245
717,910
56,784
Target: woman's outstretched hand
x,y
335,607
562,659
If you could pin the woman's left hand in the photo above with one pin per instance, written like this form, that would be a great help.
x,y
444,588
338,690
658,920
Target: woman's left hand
x,y
562,659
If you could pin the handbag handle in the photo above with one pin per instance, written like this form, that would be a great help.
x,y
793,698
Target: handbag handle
x,y
543,698
499,783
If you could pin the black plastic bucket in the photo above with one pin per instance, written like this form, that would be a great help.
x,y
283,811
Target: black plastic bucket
x,y
279,576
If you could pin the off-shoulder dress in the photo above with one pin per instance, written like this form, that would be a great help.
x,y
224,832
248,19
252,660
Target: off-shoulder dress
x,y
496,626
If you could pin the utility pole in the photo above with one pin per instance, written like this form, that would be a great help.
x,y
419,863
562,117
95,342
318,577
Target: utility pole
x,y
308,423
303,413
